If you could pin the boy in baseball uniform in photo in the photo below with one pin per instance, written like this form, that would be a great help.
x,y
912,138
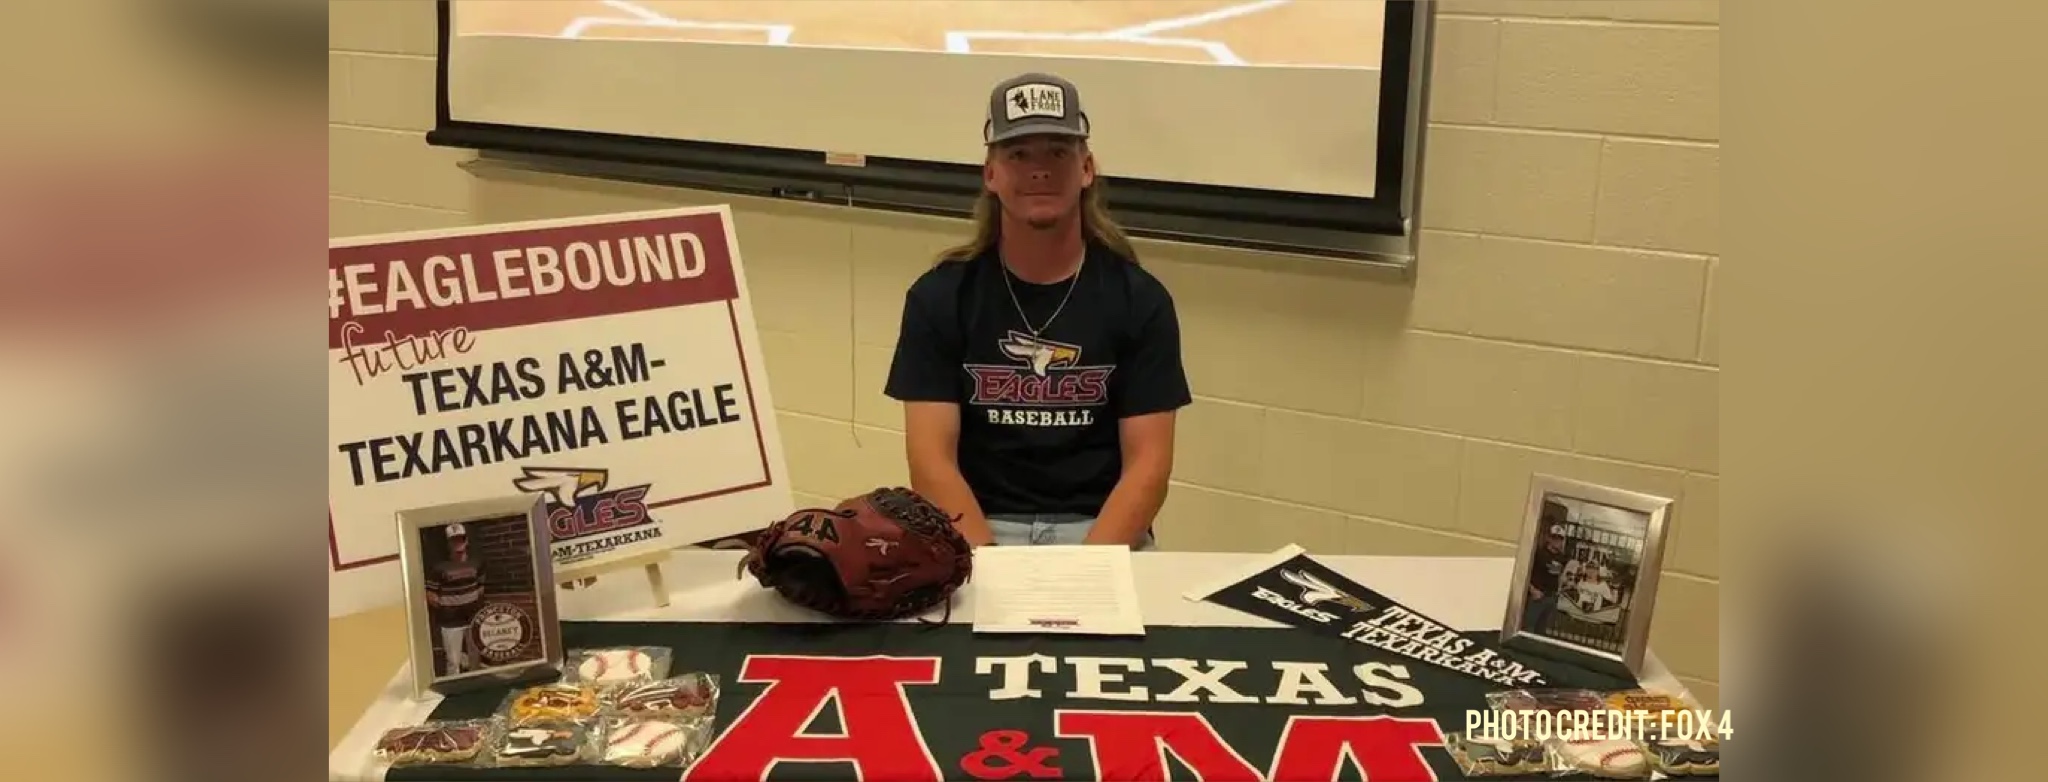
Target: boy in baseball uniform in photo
x,y
455,591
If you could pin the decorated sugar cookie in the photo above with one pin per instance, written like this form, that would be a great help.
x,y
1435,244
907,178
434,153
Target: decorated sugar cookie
x,y
1489,757
1553,699
616,666
543,743
1613,758
1644,700
619,665
553,701
649,743
432,743
689,694
1681,758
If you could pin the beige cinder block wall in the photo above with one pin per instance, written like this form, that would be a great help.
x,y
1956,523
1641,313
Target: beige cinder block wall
x,y
1563,319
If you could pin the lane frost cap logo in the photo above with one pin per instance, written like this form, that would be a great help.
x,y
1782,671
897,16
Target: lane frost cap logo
x,y
1034,100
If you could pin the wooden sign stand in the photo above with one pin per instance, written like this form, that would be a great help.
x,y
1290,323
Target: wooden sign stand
x,y
577,578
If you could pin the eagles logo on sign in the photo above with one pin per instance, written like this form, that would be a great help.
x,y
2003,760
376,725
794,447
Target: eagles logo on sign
x,y
581,502
1035,100
563,485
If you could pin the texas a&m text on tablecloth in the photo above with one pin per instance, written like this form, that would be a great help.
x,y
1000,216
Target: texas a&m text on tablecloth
x,y
797,704
882,736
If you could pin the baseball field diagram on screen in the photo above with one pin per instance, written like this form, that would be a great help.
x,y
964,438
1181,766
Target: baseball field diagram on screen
x,y
1260,33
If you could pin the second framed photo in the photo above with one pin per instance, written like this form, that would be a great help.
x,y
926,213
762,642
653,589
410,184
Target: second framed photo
x,y
480,594
1586,574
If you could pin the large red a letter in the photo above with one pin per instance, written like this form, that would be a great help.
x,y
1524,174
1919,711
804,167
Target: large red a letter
x,y
879,733
1131,746
1313,749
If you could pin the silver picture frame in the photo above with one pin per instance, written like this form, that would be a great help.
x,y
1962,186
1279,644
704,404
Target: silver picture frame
x,y
1607,544
479,574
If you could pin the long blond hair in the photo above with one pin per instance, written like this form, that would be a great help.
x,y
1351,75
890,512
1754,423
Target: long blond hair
x,y
1097,226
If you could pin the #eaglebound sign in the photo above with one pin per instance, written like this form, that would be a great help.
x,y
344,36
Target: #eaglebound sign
x,y
1292,588
609,363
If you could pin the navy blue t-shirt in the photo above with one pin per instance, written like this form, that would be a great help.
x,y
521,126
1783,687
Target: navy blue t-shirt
x,y
1039,413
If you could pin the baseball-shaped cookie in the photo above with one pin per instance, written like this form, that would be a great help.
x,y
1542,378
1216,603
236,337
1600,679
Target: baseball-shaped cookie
x,y
1614,758
615,665
646,743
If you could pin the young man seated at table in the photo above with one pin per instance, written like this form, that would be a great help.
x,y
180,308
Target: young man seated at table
x,y
1039,364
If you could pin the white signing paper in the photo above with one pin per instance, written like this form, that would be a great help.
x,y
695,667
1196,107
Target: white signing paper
x,y
1083,590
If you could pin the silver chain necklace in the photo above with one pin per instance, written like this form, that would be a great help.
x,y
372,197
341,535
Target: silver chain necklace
x,y
1012,288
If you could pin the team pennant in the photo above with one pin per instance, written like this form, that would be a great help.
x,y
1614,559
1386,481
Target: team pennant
x,y
1294,589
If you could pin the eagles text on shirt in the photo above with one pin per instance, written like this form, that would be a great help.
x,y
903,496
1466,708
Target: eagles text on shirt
x,y
1047,385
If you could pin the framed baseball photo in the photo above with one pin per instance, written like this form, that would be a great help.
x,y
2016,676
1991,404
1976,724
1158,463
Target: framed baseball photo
x,y
1586,574
480,594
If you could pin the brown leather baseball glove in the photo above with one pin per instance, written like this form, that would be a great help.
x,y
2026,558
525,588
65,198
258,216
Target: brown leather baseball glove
x,y
886,554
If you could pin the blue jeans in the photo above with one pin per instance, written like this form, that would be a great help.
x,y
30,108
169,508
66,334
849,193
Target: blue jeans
x,y
1050,529
1536,615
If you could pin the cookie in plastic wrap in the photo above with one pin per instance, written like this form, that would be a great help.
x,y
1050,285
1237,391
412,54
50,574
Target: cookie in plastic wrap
x,y
607,666
1684,758
546,743
556,701
1491,757
689,695
1605,756
654,742
446,742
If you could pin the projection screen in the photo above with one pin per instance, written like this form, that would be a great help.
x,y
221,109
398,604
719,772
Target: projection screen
x,y
1283,97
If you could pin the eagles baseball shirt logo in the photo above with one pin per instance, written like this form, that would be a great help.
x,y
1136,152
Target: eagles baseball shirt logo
x,y
1047,386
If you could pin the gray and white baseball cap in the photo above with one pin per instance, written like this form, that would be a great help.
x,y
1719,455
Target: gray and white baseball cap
x,y
1034,104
